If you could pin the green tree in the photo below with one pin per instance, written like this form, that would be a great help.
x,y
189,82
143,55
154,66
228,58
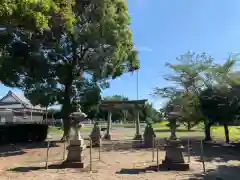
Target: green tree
x,y
190,112
219,101
220,107
188,80
75,55
150,114
28,14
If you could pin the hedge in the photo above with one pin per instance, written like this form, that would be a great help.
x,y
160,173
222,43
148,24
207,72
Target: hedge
x,y
15,133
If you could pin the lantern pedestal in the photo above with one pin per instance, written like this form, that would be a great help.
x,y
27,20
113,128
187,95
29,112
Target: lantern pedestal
x,y
74,157
174,156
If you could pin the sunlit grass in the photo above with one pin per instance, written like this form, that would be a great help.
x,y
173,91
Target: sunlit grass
x,y
58,130
163,131
217,131
54,130
234,132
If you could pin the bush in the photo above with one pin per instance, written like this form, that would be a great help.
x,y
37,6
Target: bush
x,y
13,133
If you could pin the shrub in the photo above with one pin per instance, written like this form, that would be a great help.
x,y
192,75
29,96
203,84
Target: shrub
x,y
13,133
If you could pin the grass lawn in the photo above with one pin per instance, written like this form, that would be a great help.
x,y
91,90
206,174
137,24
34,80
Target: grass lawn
x,y
217,131
234,132
163,131
54,130
57,130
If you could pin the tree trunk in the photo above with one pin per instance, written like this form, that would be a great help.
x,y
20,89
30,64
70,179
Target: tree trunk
x,y
188,126
66,110
207,129
226,131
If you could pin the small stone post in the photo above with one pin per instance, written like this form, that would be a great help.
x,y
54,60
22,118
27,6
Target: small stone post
x,y
96,135
149,136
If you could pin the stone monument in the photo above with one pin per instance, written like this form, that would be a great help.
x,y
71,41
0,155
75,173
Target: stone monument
x,y
96,135
76,145
174,150
149,136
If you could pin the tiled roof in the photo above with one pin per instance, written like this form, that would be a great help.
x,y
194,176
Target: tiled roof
x,y
19,96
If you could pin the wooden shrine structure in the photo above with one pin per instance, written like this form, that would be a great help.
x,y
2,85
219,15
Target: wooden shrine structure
x,y
109,105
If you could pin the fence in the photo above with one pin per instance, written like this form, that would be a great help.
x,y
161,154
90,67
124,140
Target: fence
x,y
55,152
134,145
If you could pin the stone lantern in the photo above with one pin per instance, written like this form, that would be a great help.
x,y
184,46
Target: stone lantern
x,y
76,145
174,150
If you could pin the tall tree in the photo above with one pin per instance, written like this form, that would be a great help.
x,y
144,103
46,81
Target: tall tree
x,y
75,55
188,80
219,102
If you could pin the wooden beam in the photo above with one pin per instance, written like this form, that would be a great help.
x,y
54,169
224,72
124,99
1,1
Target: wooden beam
x,y
117,102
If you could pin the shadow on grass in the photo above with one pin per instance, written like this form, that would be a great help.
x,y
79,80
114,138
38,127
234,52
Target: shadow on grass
x,y
222,172
124,145
54,166
212,151
149,169
37,145
10,150
19,148
178,130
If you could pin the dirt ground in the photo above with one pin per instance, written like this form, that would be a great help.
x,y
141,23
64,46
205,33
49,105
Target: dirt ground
x,y
28,162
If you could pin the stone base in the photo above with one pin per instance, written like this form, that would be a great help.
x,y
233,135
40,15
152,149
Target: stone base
x,y
138,137
174,166
174,158
72,164
107,137
75,151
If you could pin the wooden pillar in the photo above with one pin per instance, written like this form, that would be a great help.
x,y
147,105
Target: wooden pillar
x,y
109,125
137,121
125,114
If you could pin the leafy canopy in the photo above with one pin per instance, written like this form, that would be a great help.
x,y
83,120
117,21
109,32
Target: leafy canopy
x,y
69,52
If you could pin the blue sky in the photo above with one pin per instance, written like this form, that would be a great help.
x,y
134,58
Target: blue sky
x,y
165,29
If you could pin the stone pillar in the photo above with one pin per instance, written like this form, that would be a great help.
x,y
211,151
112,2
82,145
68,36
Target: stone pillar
x,y
173,128
125,113
109,124
137,135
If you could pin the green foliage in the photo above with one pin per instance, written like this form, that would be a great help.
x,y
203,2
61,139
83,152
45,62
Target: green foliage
x,y
220,106
69,53
203,91
125,112
188,80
